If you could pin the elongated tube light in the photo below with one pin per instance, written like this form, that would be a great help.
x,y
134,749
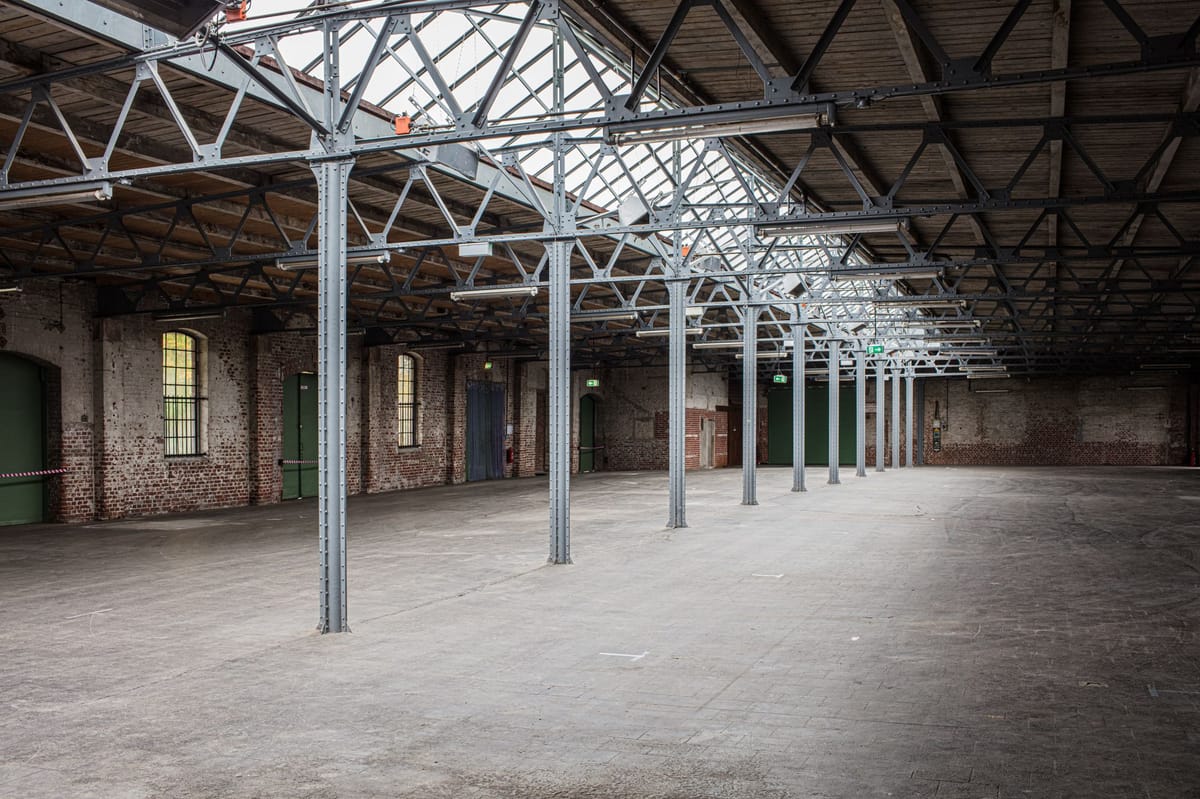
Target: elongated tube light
x,y
782,124
491,292
55,195
188,316
9,288
298,262
831,227
921,302
617,315
658,332
844,275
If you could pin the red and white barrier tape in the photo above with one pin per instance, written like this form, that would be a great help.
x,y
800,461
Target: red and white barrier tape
x,y
41,473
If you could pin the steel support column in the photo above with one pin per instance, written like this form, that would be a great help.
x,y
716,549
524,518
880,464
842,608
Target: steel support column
x,y
880,407
677,405
559,255
332,182
750,405
908,418
860,415
895,419
798,406
333,179
835,363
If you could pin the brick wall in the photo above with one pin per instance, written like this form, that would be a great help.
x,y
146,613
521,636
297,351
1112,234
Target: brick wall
x,y
387,465
50,324
1057,421
635,419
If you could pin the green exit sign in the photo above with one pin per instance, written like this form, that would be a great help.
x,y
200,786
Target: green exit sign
x,y
780,378
593,382
875,349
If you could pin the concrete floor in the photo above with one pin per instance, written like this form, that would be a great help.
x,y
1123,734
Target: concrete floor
x,y
933,632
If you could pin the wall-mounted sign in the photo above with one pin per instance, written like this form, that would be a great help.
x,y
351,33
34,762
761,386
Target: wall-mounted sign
x,y
780,378
593,382
875,349
487,364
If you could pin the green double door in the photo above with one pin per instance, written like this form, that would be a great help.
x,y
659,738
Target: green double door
x,y
300,436
816,425
587,433
22,440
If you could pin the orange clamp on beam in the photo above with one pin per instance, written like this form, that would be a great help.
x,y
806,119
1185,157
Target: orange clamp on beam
x,y
403,125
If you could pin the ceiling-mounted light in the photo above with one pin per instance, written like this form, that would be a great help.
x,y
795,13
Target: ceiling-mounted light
x,y
1143,388
7,288
1166,366
845,275
831,227
55,195
615,315
991,390
767,355
717,345
188,316
490,292
640,133
292,263
655,332
436,345
988,376
917,301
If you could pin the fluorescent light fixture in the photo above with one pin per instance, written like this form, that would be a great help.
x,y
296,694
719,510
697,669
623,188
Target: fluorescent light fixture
x,y
1143,388
188,316
831,227
717,345
767,355
8,288
292,263
437,345
656,332
682,130
55,195
991,390
490,292
922,302
988,376
1152,366
615,315
844,275
475,249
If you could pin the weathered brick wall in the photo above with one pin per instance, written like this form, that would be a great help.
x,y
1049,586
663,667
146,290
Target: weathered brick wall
x,y
1057,421
635,419
51,325
387,465
135,478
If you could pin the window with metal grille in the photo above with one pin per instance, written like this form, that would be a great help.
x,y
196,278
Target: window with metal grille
x,y
181,394
406,400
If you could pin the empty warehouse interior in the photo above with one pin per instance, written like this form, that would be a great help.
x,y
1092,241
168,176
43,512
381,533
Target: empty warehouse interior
x,y
561,398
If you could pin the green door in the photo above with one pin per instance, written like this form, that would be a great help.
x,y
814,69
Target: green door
x,y
300,435
816,426
22,441
587,433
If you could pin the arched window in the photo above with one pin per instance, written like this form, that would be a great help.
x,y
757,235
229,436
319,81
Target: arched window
x,y
181,394
406,400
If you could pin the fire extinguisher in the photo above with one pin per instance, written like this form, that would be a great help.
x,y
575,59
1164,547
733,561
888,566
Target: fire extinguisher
x,y
508,455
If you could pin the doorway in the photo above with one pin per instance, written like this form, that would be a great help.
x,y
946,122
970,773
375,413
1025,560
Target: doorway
x,y
22,440
587,432
485,431
300,436
708,442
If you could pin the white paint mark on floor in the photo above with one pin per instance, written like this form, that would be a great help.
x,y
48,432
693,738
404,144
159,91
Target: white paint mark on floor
x,y
622,655
89,613
773,576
